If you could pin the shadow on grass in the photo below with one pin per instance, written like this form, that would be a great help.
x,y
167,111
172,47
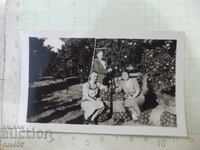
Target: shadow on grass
x,y
78,120
39,107
37,93
58,114
35,110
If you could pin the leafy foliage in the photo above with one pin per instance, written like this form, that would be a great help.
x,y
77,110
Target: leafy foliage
x,y
153,57
159,63
39,58
74,58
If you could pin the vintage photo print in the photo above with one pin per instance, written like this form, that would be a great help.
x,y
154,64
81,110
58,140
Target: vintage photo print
x,y
103,83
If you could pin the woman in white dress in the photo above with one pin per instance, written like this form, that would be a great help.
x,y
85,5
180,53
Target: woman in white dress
x,y
91,102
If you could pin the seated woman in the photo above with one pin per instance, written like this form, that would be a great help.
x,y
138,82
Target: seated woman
x,y
133,95
91,102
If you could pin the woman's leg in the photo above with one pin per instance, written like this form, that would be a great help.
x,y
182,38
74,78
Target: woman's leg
x,y
88,109
99,109
135,111
92,109
140,99
96,113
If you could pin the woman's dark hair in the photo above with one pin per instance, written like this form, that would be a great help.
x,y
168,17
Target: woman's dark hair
x,y
125,70
98,51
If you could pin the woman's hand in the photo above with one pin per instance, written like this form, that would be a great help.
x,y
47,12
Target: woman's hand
x,y
99,99
102,87
106,89
109,69
117,90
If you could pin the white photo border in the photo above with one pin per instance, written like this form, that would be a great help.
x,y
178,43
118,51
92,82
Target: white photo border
x,y
180,130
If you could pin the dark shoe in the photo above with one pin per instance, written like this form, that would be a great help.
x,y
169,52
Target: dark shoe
x,y
94,122
86,121
89,121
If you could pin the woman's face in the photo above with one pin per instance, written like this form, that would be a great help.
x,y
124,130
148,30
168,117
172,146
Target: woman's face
x,y
94,77
125,76
100,55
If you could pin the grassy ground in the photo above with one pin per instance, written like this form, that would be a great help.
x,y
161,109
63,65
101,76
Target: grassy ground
x,y
63,106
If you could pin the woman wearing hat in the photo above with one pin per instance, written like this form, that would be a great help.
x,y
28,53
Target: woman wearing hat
x,y
100,66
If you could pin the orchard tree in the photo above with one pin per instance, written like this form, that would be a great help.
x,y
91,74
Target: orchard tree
x,y
153,57
158,62
39,58
74,58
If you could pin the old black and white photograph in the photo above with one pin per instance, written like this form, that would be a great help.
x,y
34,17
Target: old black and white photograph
x,y
102,81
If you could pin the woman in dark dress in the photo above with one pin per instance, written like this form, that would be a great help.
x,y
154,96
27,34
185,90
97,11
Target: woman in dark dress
x,y
100,66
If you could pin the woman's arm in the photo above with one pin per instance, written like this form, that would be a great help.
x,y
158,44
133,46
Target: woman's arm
x,y
136,87
101,86
86,91
98,68
120,87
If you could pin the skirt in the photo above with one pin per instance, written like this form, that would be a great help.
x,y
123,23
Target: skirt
x,y
129,101
89,106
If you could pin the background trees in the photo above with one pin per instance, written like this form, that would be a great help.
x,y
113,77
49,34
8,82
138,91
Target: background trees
x,y
39,58
154,57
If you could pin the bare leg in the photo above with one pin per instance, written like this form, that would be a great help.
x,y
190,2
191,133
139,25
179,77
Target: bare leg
x,y
87,114
137,109
101,110
97,112
95,115
135,112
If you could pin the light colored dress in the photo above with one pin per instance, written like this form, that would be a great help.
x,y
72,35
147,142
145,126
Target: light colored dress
x,y
133,96
91,101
